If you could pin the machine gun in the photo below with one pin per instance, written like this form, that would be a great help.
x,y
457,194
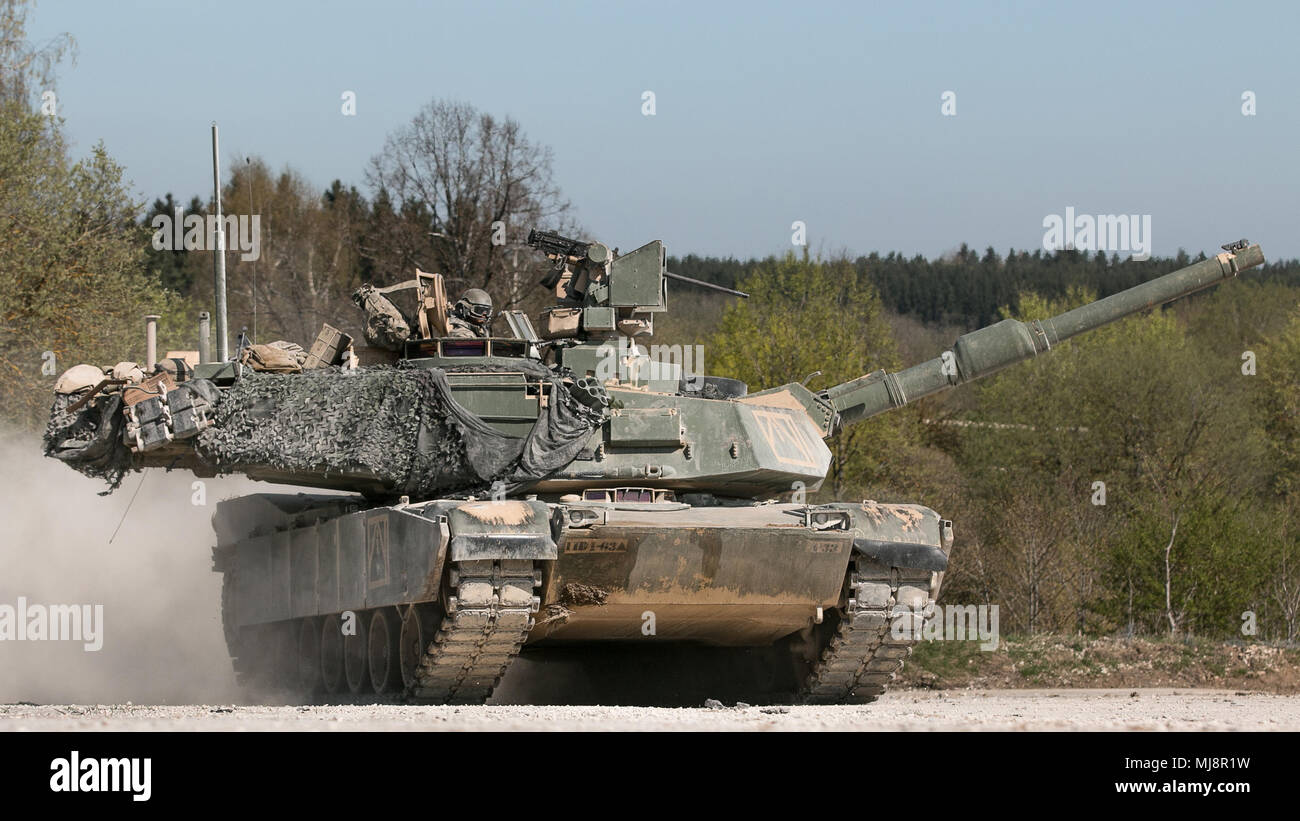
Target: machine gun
x,y
561,249
554,245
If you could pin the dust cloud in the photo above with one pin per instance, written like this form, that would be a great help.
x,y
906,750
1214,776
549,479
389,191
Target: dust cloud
x,y
161,600
162,638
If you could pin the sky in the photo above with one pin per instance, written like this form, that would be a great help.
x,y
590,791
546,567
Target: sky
x,y
830,114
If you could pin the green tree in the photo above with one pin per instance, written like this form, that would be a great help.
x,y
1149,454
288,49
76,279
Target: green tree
x,y
1164,422
1278,368
175,268
821,321
309,263
72,282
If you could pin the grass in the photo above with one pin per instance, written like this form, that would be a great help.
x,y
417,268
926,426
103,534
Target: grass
x,y
1075,661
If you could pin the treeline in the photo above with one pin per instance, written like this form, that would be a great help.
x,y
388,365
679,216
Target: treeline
x,y
968,289
454,192
315,248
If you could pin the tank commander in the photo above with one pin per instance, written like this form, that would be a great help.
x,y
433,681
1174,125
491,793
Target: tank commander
x,y
471,316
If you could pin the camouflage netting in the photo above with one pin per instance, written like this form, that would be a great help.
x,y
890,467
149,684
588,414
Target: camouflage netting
x,y
90,440
396,428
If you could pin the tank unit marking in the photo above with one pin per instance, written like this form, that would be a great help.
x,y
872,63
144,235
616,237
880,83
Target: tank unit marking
x,y
587,545
784,437
377,550
824,547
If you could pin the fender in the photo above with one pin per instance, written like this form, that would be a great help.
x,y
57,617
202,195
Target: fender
x,y
903,554
905,536
505,529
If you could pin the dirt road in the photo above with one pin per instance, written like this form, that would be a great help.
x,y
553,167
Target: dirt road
x,y
900,711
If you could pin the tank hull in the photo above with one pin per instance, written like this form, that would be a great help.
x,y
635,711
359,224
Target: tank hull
x,y
549,574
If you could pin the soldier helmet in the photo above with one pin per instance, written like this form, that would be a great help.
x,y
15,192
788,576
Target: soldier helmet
x,y
475,306
78,378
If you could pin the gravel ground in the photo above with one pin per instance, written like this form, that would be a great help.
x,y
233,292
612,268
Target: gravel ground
x,y
1146,709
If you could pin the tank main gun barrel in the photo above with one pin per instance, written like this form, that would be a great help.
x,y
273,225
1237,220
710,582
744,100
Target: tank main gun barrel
x,y
990,349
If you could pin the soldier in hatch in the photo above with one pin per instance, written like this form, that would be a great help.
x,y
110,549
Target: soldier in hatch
x,y
471,316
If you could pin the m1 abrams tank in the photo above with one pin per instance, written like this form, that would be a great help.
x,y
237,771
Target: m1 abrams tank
x,y
562,487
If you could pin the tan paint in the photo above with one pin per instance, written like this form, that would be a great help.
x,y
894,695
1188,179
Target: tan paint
x,y
613,385
737,625
907,516
503,512
715,615
780,399
784,438
672,593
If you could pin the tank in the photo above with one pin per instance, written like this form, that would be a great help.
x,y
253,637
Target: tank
x,y
562,486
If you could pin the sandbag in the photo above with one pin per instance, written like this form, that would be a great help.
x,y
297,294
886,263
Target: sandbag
x,y
274,357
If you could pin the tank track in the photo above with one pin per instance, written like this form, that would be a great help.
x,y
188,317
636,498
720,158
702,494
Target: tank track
x,y
486,624
482,623
489,608
229,631
863,656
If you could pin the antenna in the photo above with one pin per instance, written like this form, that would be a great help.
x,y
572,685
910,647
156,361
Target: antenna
x,y
248,165
219,261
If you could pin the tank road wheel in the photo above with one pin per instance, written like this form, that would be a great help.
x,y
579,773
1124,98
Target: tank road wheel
x,y
309,669
331,654
356,656
385,675
417,635
857,652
